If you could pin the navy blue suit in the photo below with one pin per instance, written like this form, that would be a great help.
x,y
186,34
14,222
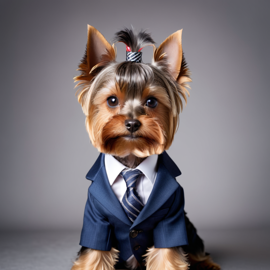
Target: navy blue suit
x,y
160,223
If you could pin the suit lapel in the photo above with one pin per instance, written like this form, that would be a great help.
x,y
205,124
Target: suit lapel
x,y
102,190
165,185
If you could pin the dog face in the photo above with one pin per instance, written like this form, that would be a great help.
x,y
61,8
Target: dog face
x,y
132,108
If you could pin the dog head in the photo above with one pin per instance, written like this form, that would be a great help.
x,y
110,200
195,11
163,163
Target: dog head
x,y
132,108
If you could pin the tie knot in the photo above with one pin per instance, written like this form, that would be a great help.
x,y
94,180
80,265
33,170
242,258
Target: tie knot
x,y
131,177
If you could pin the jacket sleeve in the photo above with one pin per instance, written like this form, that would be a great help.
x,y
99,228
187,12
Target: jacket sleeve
x,y
171,231
96,231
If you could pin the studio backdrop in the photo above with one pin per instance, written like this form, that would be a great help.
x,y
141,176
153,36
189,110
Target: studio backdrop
x,y
222,144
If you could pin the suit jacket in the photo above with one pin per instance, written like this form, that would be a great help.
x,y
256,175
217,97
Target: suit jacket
x,y
160,223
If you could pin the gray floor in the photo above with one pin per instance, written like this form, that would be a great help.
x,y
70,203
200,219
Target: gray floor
x,y
233,250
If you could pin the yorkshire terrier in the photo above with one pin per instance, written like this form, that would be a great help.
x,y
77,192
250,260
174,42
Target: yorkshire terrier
x,y
132,113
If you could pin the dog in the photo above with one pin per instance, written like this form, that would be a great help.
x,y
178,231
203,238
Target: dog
x,y
132,113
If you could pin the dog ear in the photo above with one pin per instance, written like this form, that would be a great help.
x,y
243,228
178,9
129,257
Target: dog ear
x,y
170,51
99,52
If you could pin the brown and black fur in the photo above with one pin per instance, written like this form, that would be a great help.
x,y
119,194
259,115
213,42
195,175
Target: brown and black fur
x,y
198,258
101,76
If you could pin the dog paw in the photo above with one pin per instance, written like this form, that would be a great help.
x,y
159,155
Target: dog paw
x,y
207,264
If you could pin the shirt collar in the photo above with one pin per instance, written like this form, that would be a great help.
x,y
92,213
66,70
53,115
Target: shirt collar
x,y
149,167
114,167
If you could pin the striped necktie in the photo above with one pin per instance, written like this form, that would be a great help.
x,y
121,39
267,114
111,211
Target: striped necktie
x,y
131,201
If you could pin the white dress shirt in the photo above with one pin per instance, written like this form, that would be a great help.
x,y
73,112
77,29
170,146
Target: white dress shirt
x,y
145,182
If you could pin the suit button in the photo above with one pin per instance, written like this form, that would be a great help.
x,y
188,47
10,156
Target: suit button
x,y
133,233
137,247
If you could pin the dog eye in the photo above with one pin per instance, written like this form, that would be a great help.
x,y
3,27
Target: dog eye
x,y
151,102
112,101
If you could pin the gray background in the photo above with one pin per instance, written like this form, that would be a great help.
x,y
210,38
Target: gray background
x,y
222,145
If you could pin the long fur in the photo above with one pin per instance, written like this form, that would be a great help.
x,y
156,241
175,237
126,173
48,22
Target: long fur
x,y
133,84
133,40
132,263
166,259
96,260
129,81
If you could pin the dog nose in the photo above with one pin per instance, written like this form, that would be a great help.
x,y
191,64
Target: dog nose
x,y
132,125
